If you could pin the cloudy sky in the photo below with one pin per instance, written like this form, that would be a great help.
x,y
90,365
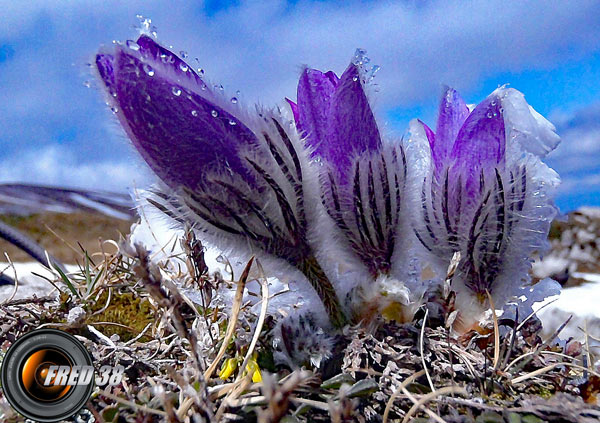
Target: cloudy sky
x,y
55,130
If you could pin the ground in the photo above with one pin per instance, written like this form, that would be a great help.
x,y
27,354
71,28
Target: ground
x,y
198,361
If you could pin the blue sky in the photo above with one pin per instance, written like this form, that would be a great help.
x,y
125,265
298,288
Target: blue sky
x,y
55,130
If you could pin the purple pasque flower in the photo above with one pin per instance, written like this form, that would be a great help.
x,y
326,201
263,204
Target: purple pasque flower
x,y
239,177
487,193
362,177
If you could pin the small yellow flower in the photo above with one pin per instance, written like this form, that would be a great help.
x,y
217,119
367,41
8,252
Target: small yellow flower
x,y
254,370
228,368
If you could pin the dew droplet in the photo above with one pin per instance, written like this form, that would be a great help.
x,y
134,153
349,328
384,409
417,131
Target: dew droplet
x,y
133,45
234,100
148,69
232,122
489,115
194,113
176,91
183,54
200,71
355,78
146,26
359,56
87,84
214,113
183,67
114,109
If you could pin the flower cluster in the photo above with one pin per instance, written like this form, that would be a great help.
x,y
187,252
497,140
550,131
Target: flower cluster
x,y
317,190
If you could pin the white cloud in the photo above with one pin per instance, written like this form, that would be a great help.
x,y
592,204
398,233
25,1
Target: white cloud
x,y
56,166
579,150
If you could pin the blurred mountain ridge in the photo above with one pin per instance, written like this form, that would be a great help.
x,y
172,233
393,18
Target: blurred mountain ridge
x,y
26,199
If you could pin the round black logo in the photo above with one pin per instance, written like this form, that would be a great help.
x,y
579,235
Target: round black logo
x,y
47,375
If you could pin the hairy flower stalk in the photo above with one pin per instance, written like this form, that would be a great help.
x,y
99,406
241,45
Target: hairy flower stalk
x,y
487,194
362,176
241,178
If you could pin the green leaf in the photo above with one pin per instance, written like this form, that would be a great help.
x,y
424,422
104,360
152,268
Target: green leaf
x,y
66,281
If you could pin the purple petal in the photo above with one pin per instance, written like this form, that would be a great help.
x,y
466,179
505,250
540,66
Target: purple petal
x,y
428,133
104,64
481,142
151,52
183,136
351,127
294,108
315,91
452,114
332,77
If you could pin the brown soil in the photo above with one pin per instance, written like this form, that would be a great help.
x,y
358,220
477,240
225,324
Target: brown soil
x,y
86,229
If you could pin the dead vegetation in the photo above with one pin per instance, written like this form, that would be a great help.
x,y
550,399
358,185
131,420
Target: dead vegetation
x,y
208,361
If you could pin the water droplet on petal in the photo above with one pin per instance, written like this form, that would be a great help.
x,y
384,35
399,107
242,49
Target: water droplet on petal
x,y
87,84
114,109
176,91
489,115
359,56
183,54
200,71
133,45
234,100
145,25
355,78
214,113
148,69
183,67
194,113
232,122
